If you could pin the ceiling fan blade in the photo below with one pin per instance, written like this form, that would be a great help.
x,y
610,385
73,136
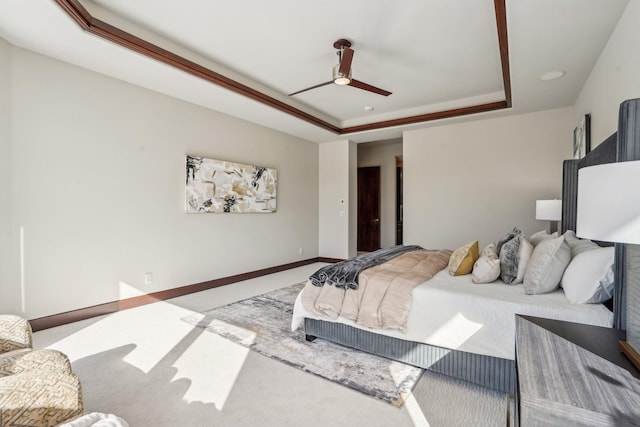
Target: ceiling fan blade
x,y
312,87
365,86
345,61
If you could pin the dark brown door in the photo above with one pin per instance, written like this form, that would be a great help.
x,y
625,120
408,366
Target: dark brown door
x,y
399,203
369,208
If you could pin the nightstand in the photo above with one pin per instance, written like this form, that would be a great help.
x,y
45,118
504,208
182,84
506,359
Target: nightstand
x,y
573,374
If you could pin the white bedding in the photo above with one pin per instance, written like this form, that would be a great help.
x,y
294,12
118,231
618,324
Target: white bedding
x,y
455,313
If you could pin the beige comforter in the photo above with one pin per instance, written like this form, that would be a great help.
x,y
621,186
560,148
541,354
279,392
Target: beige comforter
x,y
383,297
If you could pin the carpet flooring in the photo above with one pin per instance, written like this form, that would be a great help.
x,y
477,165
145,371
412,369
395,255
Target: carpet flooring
x,y
263,324
151,368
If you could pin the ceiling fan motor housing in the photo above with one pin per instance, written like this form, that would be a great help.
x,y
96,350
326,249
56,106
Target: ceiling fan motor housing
x,y
341,73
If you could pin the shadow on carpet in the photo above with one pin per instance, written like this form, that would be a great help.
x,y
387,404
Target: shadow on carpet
x,y
263,324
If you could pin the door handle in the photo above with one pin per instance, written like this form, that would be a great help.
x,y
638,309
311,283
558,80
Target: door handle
x,y
376,220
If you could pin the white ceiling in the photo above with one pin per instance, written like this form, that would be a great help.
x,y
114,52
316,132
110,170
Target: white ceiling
x,y
433,55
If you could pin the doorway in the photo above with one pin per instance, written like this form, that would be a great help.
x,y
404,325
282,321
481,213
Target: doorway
x,y
399,200
368,208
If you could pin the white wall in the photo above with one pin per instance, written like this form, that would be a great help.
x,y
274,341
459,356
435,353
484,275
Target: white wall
x,y
9,280
384,155
98,188
478,180
335,212
615,77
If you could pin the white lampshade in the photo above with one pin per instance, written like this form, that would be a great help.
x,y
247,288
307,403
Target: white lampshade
x,y
549,210
609,202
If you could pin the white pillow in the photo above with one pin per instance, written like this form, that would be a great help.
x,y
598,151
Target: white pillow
x,y
546,266
490,249
96,419
577,244
589,277
540,236
524,254
486,269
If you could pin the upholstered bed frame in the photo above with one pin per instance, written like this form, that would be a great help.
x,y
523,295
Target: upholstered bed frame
x,y
622,146
497,373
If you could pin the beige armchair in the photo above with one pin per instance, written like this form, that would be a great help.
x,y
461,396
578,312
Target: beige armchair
x,y
37,387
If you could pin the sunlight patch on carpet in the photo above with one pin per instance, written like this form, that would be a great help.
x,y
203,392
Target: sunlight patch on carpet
x,y
268,317
415,412
212,377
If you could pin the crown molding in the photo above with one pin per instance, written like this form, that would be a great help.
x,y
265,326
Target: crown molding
x,y
109,32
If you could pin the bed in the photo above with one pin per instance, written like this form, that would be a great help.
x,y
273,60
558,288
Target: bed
x,y
457,330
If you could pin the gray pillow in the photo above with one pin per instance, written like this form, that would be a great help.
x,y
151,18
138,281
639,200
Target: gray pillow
x,y
510,235
509,260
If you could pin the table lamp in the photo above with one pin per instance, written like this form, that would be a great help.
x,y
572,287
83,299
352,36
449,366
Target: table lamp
x,y
609,211
549,210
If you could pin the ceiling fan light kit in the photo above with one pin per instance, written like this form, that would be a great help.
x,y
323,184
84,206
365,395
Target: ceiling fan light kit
x,y
341,73
339,78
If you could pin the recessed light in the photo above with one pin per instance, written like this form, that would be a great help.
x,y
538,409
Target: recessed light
x,y
552,75
368,109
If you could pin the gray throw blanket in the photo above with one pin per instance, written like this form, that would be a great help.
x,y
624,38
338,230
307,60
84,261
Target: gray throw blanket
x,y
345,273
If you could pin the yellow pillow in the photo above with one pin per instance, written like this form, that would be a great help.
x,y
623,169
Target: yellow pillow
x,y
463,258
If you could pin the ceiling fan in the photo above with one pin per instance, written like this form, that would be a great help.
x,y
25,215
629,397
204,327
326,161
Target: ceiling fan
x,y
342,71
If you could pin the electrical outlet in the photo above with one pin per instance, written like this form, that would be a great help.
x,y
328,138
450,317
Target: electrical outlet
x,y
300,251
148,278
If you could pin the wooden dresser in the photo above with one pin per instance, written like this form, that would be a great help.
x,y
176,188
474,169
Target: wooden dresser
x,y
571,374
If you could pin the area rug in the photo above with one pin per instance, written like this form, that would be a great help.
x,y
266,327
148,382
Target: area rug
x,y
263,324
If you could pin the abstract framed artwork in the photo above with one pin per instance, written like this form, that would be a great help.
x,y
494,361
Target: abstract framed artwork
x,y
582,137
221,186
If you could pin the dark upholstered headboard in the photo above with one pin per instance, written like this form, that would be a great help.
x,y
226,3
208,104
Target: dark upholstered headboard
x,y
622,146
603,153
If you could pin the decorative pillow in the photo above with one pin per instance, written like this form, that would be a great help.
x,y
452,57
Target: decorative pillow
x,y
490,250
546,266
509,260
486,269
510,235
577,244
540,236
524,254
462,259
589,277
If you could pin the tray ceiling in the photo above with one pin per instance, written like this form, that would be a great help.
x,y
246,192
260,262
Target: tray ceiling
x,y
439,58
